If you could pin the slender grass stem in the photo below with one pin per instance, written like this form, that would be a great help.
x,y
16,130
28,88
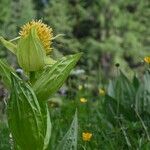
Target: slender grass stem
x,y
125,135
143,124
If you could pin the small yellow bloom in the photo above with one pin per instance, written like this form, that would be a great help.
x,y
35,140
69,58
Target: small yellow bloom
x,y
44,33
147,59
102,92
86,136
83,100
80,87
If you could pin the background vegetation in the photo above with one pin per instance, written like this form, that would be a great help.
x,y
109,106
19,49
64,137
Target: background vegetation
x,y
107,32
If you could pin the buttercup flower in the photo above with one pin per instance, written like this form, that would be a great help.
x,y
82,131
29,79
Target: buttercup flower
x,y
102,92
86,136
83,100
147,59
44,33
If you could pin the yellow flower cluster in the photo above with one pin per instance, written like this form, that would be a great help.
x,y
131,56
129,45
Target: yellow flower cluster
x,y
102,92
44,33
83,100
147,59
86,136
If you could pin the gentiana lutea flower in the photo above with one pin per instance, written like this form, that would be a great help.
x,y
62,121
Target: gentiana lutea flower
x,y
44,33
34,45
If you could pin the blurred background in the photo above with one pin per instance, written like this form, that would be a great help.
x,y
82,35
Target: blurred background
x,y
108,32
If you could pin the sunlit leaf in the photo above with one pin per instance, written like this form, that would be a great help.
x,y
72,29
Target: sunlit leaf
x,y
69,141
53,78
25,117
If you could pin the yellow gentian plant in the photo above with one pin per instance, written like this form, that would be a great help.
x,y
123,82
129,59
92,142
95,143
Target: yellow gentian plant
x,y
28,114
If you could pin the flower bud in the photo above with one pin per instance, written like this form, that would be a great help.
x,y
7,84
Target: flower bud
x,y
30,52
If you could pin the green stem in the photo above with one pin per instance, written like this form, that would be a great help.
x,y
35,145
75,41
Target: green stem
x,y
85,146
32,76
15,39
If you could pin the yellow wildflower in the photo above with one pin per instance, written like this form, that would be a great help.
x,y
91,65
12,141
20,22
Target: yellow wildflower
x,y
83,100
86,136
147,59
102,92
44,33
80,87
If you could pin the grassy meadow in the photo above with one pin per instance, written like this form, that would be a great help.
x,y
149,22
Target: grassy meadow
x,y
97,101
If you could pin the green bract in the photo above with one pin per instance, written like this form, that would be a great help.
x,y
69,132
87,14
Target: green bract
x,y
54,76
30,52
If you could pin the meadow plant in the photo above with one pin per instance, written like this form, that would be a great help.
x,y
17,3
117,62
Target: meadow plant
x,y
27,109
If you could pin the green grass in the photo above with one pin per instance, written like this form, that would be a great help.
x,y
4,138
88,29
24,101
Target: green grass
x,y
4,137
119,120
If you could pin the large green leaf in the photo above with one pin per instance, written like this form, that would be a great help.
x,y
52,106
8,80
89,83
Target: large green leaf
x,y
143,95
136,83
111,88
48,130
53,78
112,112
69,141
5,71
25,117
123,92
47,123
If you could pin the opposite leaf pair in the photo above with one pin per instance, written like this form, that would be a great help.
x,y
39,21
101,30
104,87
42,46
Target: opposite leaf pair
x,y
28,114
